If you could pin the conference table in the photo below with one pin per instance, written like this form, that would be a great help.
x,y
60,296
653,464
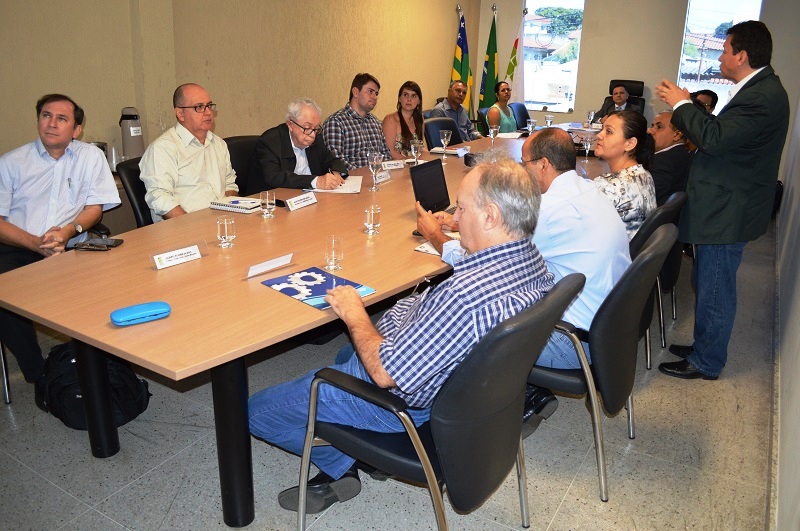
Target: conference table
x,y
218,317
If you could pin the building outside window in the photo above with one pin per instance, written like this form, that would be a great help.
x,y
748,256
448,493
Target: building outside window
x,y
551,48
706,24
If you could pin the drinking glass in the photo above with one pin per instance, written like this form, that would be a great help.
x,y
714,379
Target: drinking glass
x,y
587,144
375,160
267,204
334,253
531,124
416,150
548,120
444,136
226,231
493,130
372,219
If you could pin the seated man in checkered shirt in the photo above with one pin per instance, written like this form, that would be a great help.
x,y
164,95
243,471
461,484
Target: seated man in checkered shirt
x,y
353,131
420,341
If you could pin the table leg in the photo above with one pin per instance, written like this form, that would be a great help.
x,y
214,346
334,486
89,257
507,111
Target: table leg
x,y
96,390
234,452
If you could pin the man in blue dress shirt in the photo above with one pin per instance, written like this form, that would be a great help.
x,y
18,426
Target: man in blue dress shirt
x,y
51,191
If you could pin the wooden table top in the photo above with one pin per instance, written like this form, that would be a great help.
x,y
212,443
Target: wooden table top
x,y
217,316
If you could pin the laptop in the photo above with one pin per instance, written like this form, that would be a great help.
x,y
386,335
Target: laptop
x,y
430,186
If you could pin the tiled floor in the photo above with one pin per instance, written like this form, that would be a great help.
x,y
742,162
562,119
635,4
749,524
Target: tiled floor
x,y
700,459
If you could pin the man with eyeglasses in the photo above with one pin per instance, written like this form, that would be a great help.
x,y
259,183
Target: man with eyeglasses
x,y
293,155
353,131
51,191
705,99
188,166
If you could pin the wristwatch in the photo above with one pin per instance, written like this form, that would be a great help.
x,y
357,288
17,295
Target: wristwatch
x,y
78,228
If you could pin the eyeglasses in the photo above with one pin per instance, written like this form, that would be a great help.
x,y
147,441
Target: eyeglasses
x,y
531,160
308,130
201,107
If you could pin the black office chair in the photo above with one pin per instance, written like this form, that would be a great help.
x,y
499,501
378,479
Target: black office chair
x,y
520,114
6,386
668,277
482,116
635,91
128,172
242,149
613,339
666,213
473,436
434,125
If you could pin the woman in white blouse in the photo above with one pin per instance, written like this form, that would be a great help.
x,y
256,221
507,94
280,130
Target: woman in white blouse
x,y
627,148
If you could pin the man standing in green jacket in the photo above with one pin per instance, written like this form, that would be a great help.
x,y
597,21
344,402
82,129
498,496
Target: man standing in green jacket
x,y
731,187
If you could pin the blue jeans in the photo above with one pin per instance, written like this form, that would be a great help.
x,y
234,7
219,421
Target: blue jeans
x,y
279,414
559,353
715,269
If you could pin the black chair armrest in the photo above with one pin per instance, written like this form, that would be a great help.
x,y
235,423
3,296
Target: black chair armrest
x,y
364,390
100,230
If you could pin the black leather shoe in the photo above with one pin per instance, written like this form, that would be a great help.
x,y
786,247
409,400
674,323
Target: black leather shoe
x,y
38,394
374,473
683,369
540,402
323,491
682,351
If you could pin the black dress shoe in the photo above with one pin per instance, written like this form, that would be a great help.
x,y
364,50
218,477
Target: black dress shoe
x,y
323,491
374,473
683,369
682,351
540,402
38,394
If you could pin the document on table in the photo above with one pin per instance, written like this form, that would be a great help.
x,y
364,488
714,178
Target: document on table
x,y
515,134
428,247
351,185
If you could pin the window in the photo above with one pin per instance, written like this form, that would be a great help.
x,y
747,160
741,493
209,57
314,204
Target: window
x,y
706,24
551,47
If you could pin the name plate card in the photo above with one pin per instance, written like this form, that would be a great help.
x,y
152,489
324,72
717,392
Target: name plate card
x,y
269,265
382,176
394,165
178,256
300,201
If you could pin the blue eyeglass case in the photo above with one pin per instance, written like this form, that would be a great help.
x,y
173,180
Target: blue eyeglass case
x,y
140,313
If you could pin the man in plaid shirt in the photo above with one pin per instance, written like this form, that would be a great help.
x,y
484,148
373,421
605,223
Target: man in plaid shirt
x,y
353,131
420,341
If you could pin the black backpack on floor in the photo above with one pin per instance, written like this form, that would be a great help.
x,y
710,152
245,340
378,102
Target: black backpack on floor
x,y
62,392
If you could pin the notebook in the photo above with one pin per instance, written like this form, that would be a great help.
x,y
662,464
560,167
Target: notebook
x,y
430,186
237,204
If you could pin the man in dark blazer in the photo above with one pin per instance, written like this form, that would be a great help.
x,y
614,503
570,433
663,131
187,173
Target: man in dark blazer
x,y
293,155
671,161
731,187
618,102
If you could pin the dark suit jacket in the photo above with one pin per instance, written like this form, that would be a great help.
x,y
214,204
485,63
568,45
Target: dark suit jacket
x,y
608,108
274,162
669,170
731,185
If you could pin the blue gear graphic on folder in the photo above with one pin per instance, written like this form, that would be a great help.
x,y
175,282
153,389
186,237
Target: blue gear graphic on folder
x,y
311,285
302,278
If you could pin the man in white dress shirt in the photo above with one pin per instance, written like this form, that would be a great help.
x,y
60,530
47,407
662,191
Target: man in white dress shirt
x,y
188,166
